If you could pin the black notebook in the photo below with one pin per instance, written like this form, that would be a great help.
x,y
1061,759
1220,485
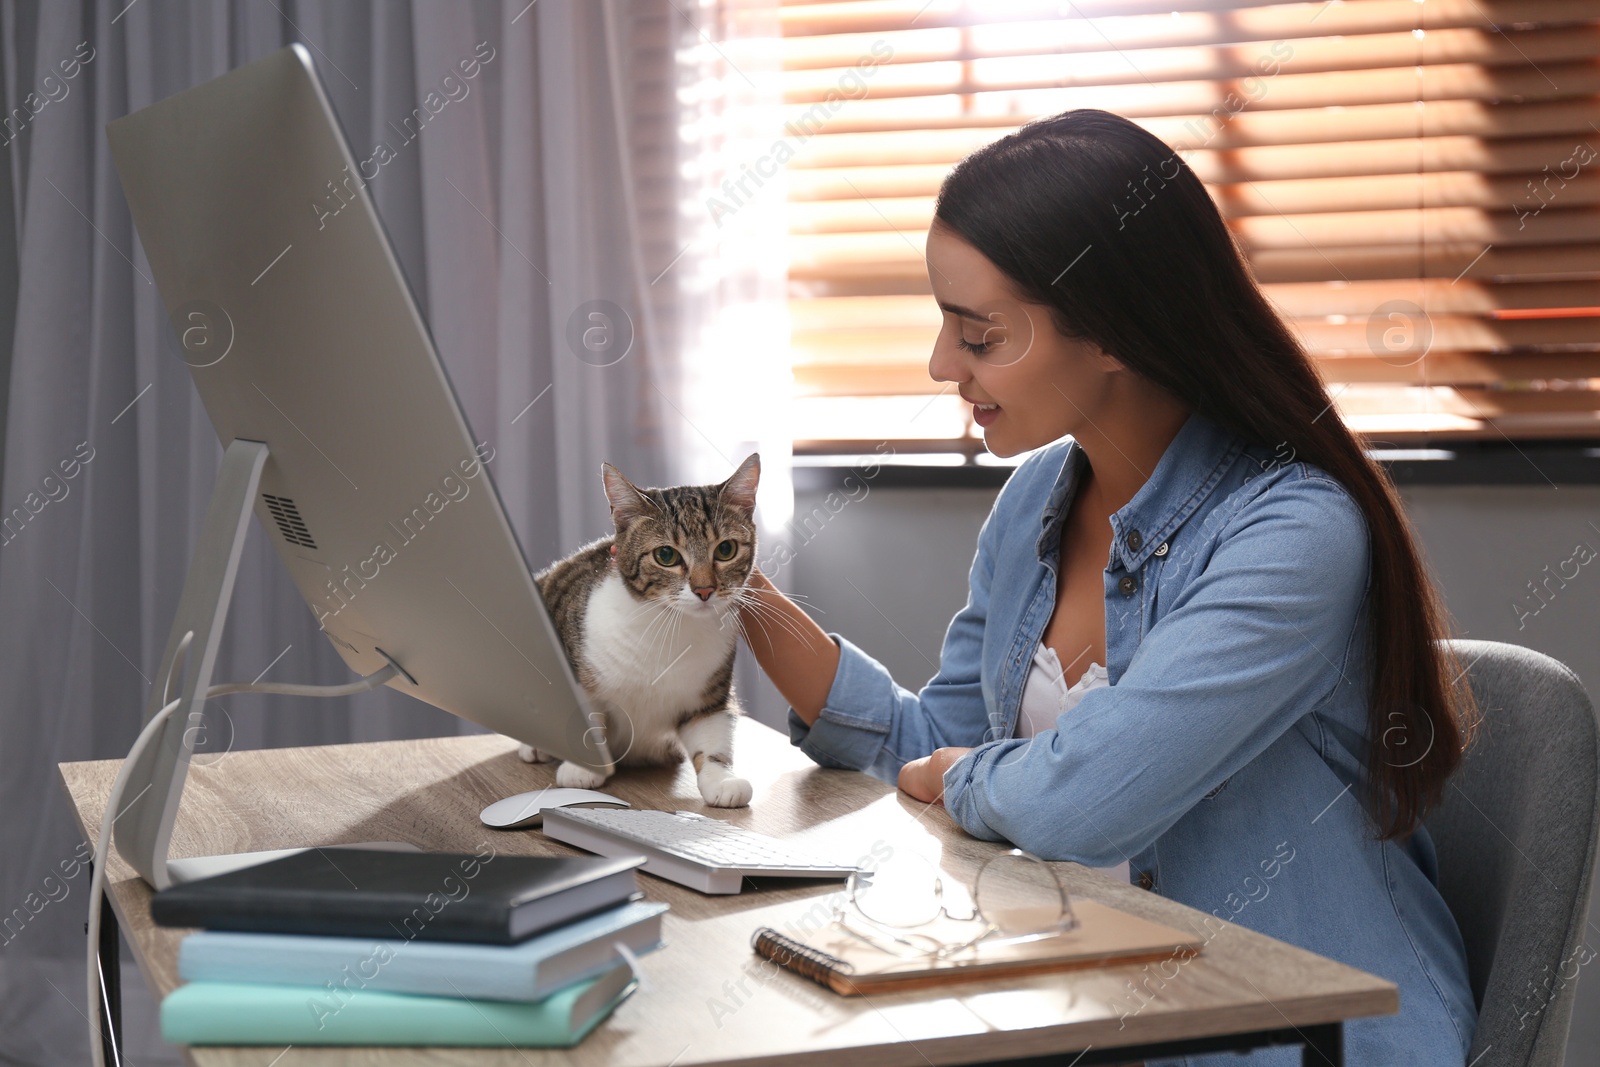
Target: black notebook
x,y
432,896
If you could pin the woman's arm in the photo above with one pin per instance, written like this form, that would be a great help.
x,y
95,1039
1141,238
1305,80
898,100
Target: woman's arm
x,y
793,650
847,710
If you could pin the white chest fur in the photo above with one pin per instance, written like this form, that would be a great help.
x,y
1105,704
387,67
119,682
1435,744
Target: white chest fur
x,y
653,658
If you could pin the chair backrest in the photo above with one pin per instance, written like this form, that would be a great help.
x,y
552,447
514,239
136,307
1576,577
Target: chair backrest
x,y
1515,836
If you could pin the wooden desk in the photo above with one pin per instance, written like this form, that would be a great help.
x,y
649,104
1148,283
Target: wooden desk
x,y
706,997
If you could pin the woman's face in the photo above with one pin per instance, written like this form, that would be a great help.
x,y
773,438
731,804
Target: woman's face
x,y
999,350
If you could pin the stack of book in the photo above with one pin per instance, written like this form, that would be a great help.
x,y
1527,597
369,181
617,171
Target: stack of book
x,y
352,946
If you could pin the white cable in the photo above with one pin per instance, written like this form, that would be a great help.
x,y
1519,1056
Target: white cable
x,y
119,786
289,689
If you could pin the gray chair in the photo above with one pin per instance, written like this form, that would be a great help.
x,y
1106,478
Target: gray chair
x,y
1516,835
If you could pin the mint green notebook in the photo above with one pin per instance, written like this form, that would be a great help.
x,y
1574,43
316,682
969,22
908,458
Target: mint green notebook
x,y
241,1013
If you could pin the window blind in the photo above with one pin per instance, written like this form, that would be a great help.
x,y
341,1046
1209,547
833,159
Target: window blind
x,y
1416,186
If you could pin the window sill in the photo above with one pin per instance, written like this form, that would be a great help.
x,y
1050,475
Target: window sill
x,y
1542,463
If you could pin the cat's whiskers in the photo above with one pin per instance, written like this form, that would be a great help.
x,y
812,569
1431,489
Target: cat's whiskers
x,y
655,604
739,627
763,612
665,614
762,623
662,637
747,595
672,641
644,606
650,605
670,633
763,620
805,601
668,636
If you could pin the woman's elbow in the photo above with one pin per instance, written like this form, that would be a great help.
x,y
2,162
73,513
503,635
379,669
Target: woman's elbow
x,y
1050,833
1088,848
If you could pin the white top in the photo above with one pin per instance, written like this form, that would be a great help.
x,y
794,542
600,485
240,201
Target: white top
x,y
1046,696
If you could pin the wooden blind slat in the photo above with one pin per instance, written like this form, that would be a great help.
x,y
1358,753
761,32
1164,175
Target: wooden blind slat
x,y
804,18
1491,192
1289,91
1530,223
1520,193
1131,33
1260,196
967,72
1477,118
945,148
1440,368
1433,261
911,345
1440,296
869,16
900,269
1441,225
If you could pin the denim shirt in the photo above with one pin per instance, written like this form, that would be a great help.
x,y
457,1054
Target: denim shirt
x,y
1223,761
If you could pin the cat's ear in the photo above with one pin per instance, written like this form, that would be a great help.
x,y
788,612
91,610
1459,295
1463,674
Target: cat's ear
x,y
627,502
739,490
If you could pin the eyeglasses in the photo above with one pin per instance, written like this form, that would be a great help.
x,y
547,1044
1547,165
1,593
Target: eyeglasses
x,y
1015,897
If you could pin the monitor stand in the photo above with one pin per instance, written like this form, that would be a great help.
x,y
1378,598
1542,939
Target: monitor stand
x,y
143,828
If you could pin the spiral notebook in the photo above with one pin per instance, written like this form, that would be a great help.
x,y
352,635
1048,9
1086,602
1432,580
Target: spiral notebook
x,y
850,966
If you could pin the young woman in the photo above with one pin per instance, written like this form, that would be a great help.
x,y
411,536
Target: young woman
x,y
1199,637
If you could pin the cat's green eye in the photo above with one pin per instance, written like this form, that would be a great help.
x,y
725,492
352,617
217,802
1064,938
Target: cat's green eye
x,y
667,556
726,550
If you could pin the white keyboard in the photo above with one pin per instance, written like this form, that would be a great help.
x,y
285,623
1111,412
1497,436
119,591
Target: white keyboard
x,y
687,847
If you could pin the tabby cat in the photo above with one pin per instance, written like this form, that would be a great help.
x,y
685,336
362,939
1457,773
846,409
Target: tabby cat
x,y
649,618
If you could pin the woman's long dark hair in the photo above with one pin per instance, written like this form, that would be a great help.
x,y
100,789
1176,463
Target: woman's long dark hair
x,y
1162,286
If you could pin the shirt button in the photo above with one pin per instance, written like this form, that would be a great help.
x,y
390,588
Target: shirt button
x,y
1147,880
1135,540
1127,585
1161,549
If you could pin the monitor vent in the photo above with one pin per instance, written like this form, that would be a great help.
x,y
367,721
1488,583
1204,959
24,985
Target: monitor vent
x,y
290,524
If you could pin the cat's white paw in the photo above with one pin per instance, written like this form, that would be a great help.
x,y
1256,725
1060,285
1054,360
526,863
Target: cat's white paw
x,y
728,793
529,754
577,776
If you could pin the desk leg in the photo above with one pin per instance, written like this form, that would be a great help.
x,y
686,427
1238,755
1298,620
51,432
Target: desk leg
x,y
110,1006
1324,1046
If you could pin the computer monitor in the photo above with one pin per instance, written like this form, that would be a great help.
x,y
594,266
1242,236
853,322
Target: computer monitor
x,y
339,427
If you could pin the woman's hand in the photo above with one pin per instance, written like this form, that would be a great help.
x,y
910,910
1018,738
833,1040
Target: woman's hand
x,y
924,778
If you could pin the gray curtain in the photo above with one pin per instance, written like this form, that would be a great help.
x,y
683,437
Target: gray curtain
x,y
527,198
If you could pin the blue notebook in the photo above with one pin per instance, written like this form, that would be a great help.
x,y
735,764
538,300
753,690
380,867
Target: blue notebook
x,y
239,1013
528,970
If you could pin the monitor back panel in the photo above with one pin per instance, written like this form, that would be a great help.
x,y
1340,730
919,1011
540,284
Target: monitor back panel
x,y
291,310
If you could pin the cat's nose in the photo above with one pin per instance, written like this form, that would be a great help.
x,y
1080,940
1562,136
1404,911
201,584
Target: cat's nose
x,y
704,591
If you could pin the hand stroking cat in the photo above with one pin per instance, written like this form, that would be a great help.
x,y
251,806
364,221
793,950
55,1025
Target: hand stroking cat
x,y
649,618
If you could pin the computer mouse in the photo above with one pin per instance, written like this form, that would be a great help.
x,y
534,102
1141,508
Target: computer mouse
x,y
527,809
